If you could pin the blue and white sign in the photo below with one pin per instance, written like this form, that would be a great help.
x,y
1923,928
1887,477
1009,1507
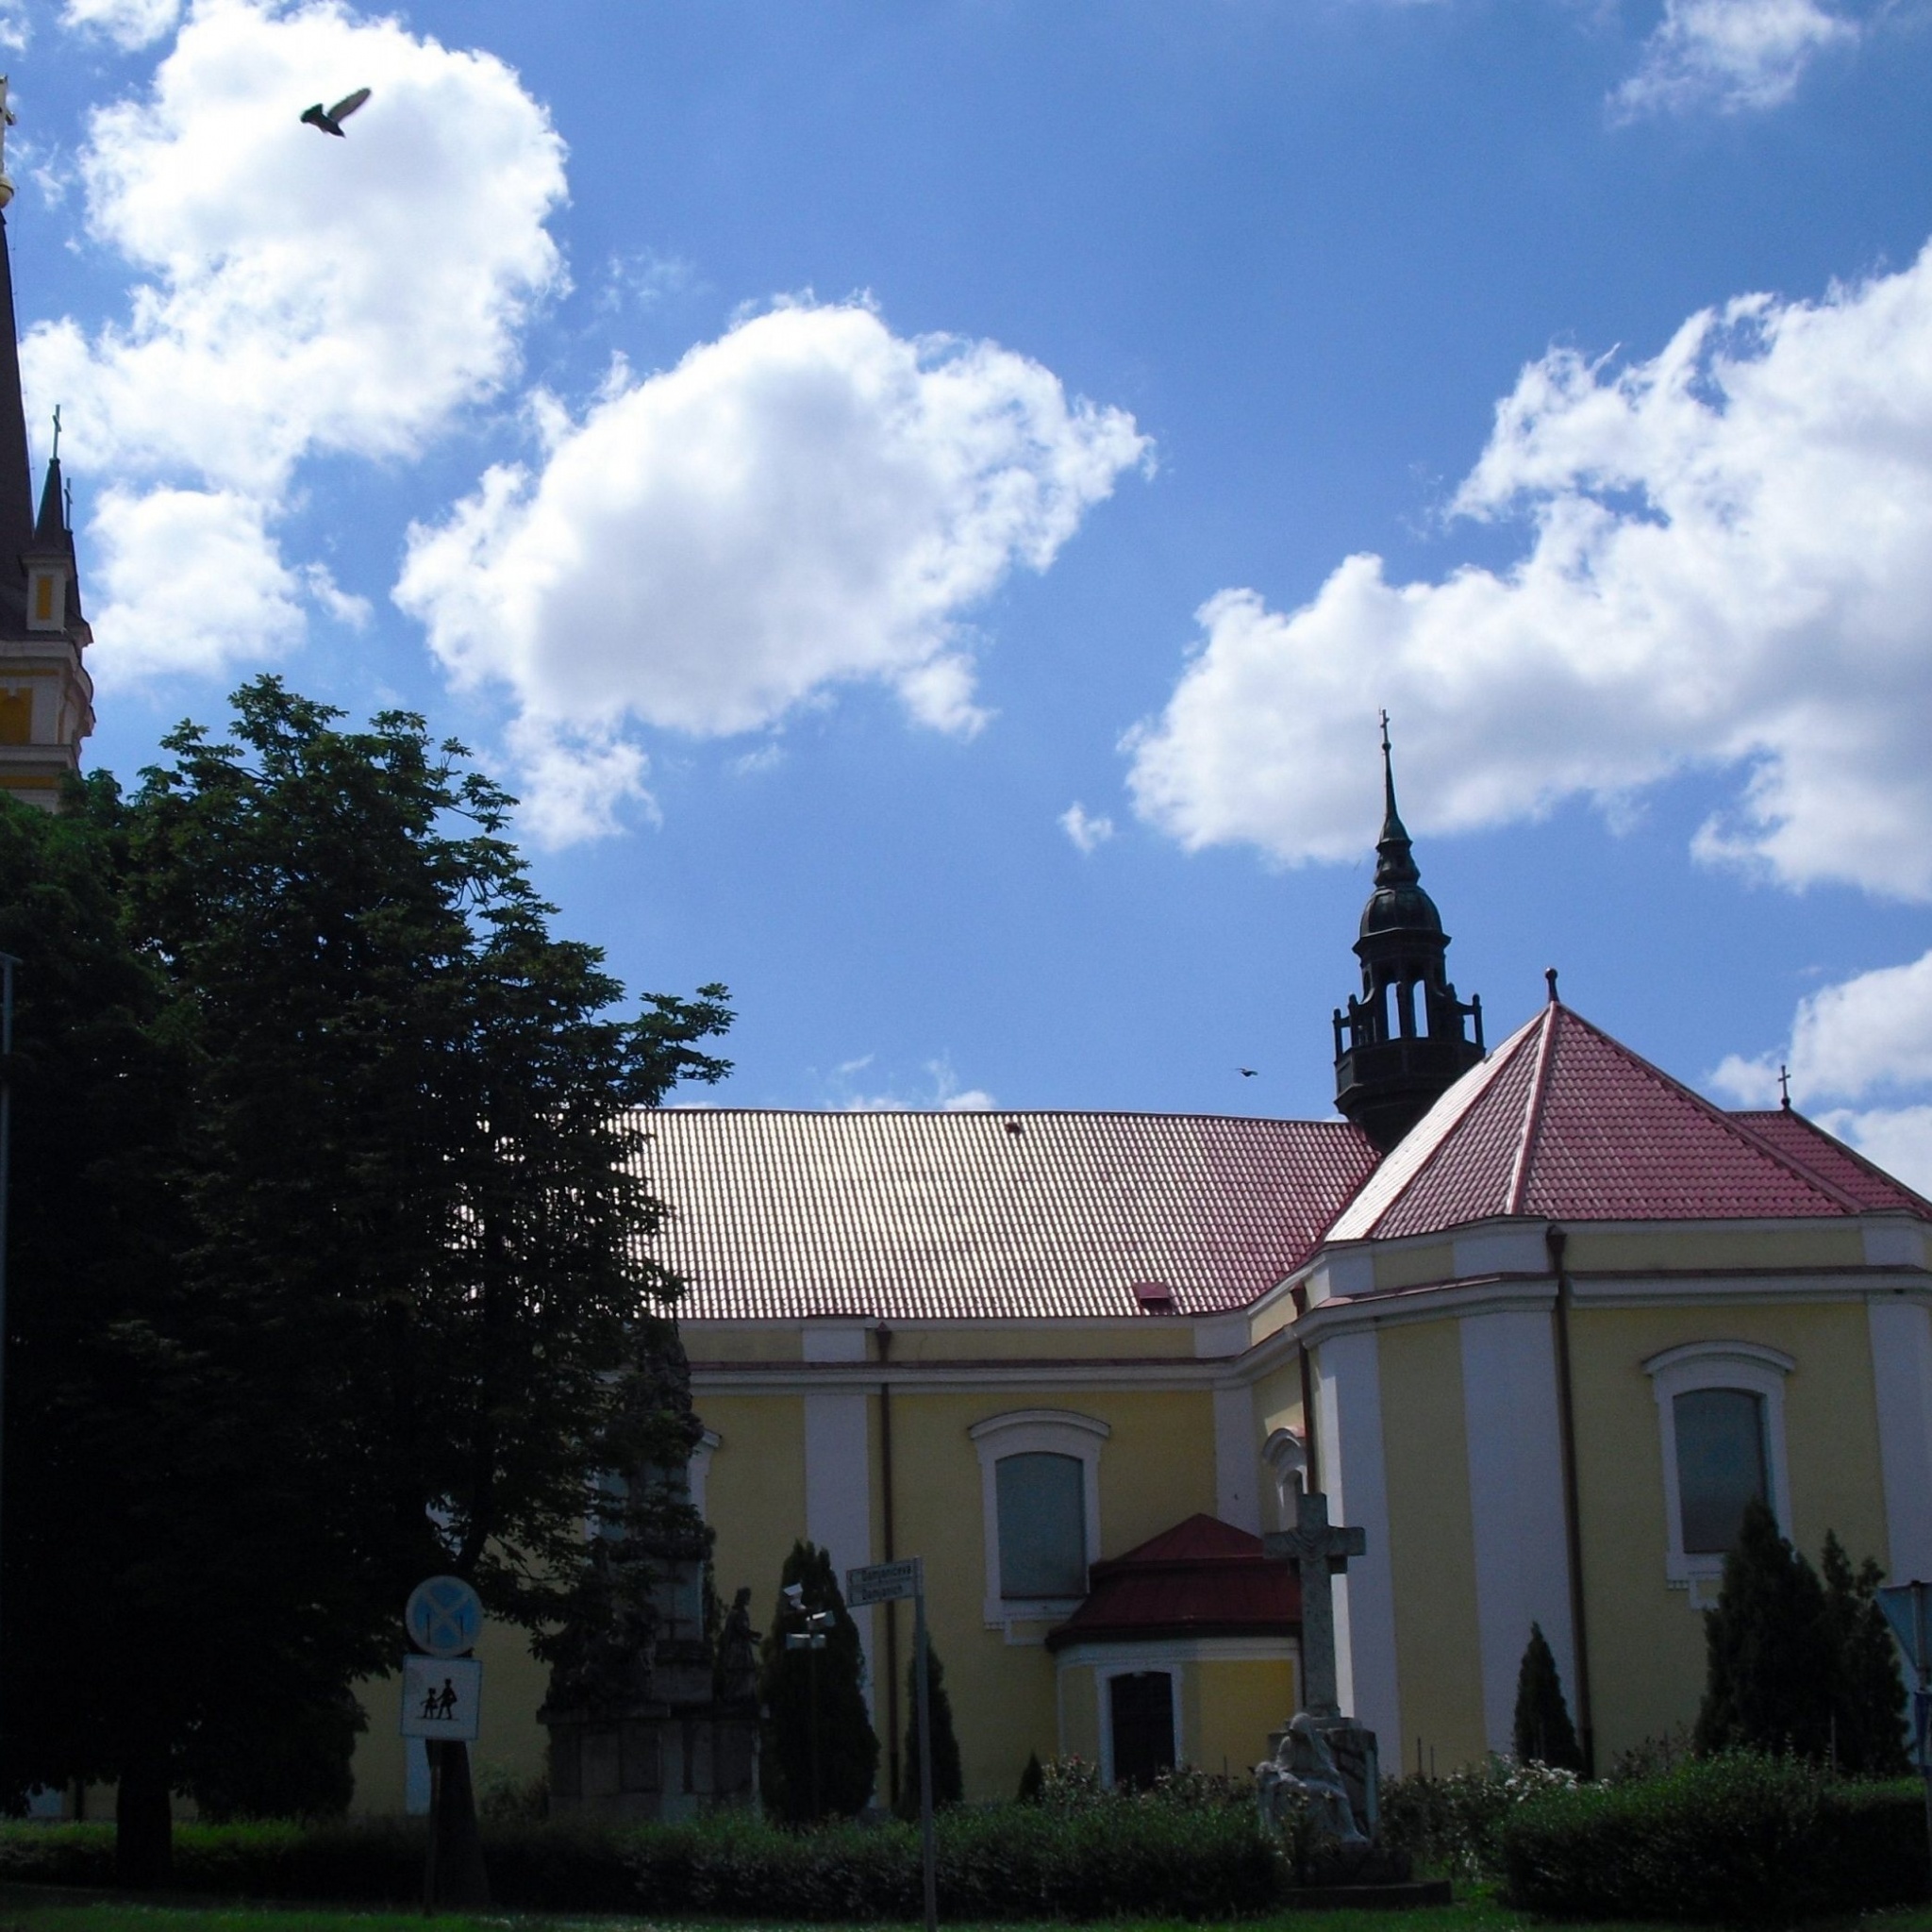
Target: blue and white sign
x,y
444,1616
443,1697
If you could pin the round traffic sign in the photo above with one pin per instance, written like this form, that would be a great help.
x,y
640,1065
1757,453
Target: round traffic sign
x,y
443,1616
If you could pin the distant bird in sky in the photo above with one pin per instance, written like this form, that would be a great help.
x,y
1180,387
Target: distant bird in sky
x,y
1247,1073
330,119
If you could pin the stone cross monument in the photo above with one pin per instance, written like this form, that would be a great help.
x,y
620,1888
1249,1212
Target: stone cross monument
x,y
1320,1551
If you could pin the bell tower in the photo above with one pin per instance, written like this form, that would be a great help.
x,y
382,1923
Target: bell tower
x,y
1406,1038
46,696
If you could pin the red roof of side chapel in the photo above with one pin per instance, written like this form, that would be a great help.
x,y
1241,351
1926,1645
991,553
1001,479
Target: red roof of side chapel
x,y
1201,1579
1562,1123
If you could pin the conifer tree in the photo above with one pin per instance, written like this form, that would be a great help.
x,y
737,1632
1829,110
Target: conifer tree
x,y
1771,1665
815,1702
948,1781
1544,1733
1868,1694
1032,1780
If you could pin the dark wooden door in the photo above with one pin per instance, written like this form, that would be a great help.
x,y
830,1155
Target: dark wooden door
x,y
1142,1708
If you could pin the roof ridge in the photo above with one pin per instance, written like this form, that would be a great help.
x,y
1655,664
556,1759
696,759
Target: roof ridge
x,y
1730,1121
1328,1123
1532,1112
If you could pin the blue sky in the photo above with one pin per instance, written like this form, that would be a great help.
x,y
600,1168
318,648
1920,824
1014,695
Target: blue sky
x,y
810,452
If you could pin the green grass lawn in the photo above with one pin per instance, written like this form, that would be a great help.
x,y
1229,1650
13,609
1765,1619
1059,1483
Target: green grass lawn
x,y
26,1908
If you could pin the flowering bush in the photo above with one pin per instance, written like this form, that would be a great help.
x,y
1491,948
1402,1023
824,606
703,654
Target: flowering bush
x,y
1454,1825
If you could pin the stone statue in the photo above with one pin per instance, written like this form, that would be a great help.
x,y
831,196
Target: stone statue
x,y
738,1654
1303,1769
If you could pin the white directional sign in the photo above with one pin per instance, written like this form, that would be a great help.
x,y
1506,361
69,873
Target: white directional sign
x,y
444,1616
443,1697
885,1583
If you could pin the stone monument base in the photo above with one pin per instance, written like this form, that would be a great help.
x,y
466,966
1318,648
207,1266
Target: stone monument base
x,y
655,1762
1353,1746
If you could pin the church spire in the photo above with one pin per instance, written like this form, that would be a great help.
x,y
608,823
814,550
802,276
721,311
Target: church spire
x,y
1393,1053
46,696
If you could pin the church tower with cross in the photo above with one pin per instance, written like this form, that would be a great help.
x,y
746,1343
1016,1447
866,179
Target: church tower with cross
x,y
46,696
1407,1039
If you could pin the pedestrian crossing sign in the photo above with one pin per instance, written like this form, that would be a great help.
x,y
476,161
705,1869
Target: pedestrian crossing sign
x,y
443,1697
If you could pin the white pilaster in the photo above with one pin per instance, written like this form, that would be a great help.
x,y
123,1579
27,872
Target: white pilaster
x,y
1354,1474
838,1495
1237,1460
1902,1376
1516,1504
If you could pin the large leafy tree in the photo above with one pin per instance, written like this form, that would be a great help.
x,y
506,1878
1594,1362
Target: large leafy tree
x,y
412,1194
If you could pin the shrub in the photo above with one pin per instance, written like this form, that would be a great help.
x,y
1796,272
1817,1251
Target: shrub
x,y
1733,1839
1190,1854
1543,1731
1454,1825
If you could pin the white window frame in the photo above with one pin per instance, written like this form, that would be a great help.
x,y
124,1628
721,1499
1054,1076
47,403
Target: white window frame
x,y
697,1470
1035,1432
1747,1365
1104,1675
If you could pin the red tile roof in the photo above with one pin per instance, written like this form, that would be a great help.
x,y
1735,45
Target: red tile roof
x,y
1807,1144
1562,1123
1202,1578
918,1216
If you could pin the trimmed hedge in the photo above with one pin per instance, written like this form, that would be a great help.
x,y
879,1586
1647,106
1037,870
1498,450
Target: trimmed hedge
x,y
1009,1861
1729,1839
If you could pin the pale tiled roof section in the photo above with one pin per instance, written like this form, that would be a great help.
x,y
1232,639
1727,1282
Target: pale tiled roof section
x,y
776,1215
1562,1123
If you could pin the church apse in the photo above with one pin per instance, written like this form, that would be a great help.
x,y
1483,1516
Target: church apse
x,y
1407,1039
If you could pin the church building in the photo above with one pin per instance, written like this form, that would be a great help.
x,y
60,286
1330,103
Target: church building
x,y
1537,1319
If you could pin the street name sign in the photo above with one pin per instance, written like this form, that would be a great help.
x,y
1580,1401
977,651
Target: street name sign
x,y
885,1583
443,1698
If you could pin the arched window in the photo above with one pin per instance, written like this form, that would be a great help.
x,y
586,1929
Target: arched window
x,y
1040,1476
1721,1406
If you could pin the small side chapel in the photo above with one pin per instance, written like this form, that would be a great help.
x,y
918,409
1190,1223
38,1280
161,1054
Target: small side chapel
x,y
1538,1319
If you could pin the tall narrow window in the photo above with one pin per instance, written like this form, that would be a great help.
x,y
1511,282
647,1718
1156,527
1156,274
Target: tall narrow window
x,y
1043,1518
1721,1464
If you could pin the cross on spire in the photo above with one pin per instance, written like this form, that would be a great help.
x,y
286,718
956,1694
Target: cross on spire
x,y
1784,1087
1320,1551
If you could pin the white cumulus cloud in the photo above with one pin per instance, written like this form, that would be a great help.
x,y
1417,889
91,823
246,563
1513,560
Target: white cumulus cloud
x,y
1088,831
1730,55
129,24
1729,565
1867,1036
809,501
293,295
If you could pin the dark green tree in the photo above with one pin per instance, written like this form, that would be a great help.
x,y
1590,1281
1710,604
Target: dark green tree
x,y
403,1223
830,1682
1868,1694
1544,1733
1771,1666
948,1780
1032,1780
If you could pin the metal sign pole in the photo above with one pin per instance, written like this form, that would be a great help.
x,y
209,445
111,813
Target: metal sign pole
x,y
928,1854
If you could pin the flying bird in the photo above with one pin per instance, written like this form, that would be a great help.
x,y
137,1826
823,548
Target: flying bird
x,y
330,119
1247,1073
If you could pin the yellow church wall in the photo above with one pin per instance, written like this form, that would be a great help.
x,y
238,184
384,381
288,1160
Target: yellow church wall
x,y
721,1341
1431,1544
1646,1642
1079,1700
755,1491
1002,1693
1278,1398
1149,1340
1675,1248
1236,1704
